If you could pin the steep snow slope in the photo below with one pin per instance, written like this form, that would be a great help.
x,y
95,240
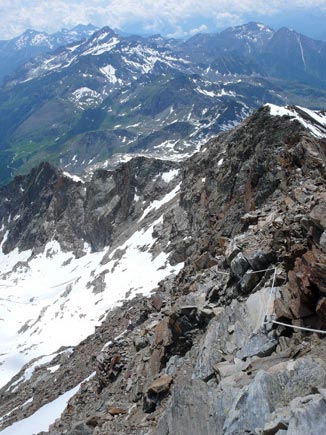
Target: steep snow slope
x,y
54,299
43,417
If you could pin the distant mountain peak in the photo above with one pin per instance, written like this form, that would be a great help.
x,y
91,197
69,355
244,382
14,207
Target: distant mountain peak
x,y
106,30
252,26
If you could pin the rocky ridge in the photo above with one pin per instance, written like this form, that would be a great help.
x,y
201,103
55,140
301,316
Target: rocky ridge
x,y
201,354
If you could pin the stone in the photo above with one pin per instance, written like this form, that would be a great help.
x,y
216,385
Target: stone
x,y
308,415
318,215
232,250
205,261
249,281
94,421
321,312
160,385
279,420
318,274
156,391
281,305
140,342
116,411
239,265
250,218
163,334
108,368
157,302
81,429
259,344
271,390
196,408
322,241
259,260
247,319
226,369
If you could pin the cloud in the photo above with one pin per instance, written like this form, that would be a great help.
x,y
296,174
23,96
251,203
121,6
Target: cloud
x,y
166,16
201,29
227,19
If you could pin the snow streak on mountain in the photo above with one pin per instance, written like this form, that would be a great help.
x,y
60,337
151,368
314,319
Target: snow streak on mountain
x,y
83,103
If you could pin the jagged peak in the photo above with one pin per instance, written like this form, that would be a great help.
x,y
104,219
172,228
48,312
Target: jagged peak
x,y
103,32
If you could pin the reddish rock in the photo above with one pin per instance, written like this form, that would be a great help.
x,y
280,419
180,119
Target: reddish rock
x,y
157,302
321,312
205,261
249,218
307,283
318,276
116,411
155,362
163,334
160,385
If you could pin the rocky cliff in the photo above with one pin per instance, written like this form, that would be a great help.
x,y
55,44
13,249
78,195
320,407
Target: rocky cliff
x,y
243,224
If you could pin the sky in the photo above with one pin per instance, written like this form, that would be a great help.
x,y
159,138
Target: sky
x,y
173,18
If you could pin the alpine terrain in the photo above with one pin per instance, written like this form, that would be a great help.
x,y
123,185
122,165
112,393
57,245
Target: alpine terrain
x,y
92,103
163,296
15,52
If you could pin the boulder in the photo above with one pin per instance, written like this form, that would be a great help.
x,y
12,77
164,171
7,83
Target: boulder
x,y
322,241
157,302
249,281
321,312
239,265
259,344
318,215
116,411
156,391
160,385
259,260
308,415
272,389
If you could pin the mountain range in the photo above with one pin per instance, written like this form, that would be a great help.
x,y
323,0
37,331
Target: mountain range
x,y
15,52
170,297
95,102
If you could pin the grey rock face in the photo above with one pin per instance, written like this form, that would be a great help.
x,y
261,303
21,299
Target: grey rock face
x,y
259,344
269,390
46,204
308,415
235,330
197,409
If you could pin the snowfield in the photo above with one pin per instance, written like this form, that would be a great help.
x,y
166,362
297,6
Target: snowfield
x,y
54,299
43,417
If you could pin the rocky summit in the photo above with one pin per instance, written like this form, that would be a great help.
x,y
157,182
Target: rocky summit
x,y
184,298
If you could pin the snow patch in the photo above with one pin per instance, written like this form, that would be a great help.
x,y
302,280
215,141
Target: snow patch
x,y
73,177
170,175
85,96
109,72
43,417
102,48
155,205
312,120
47,300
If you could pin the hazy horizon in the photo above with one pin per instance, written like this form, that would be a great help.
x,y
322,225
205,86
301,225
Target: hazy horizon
x,y
167,17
